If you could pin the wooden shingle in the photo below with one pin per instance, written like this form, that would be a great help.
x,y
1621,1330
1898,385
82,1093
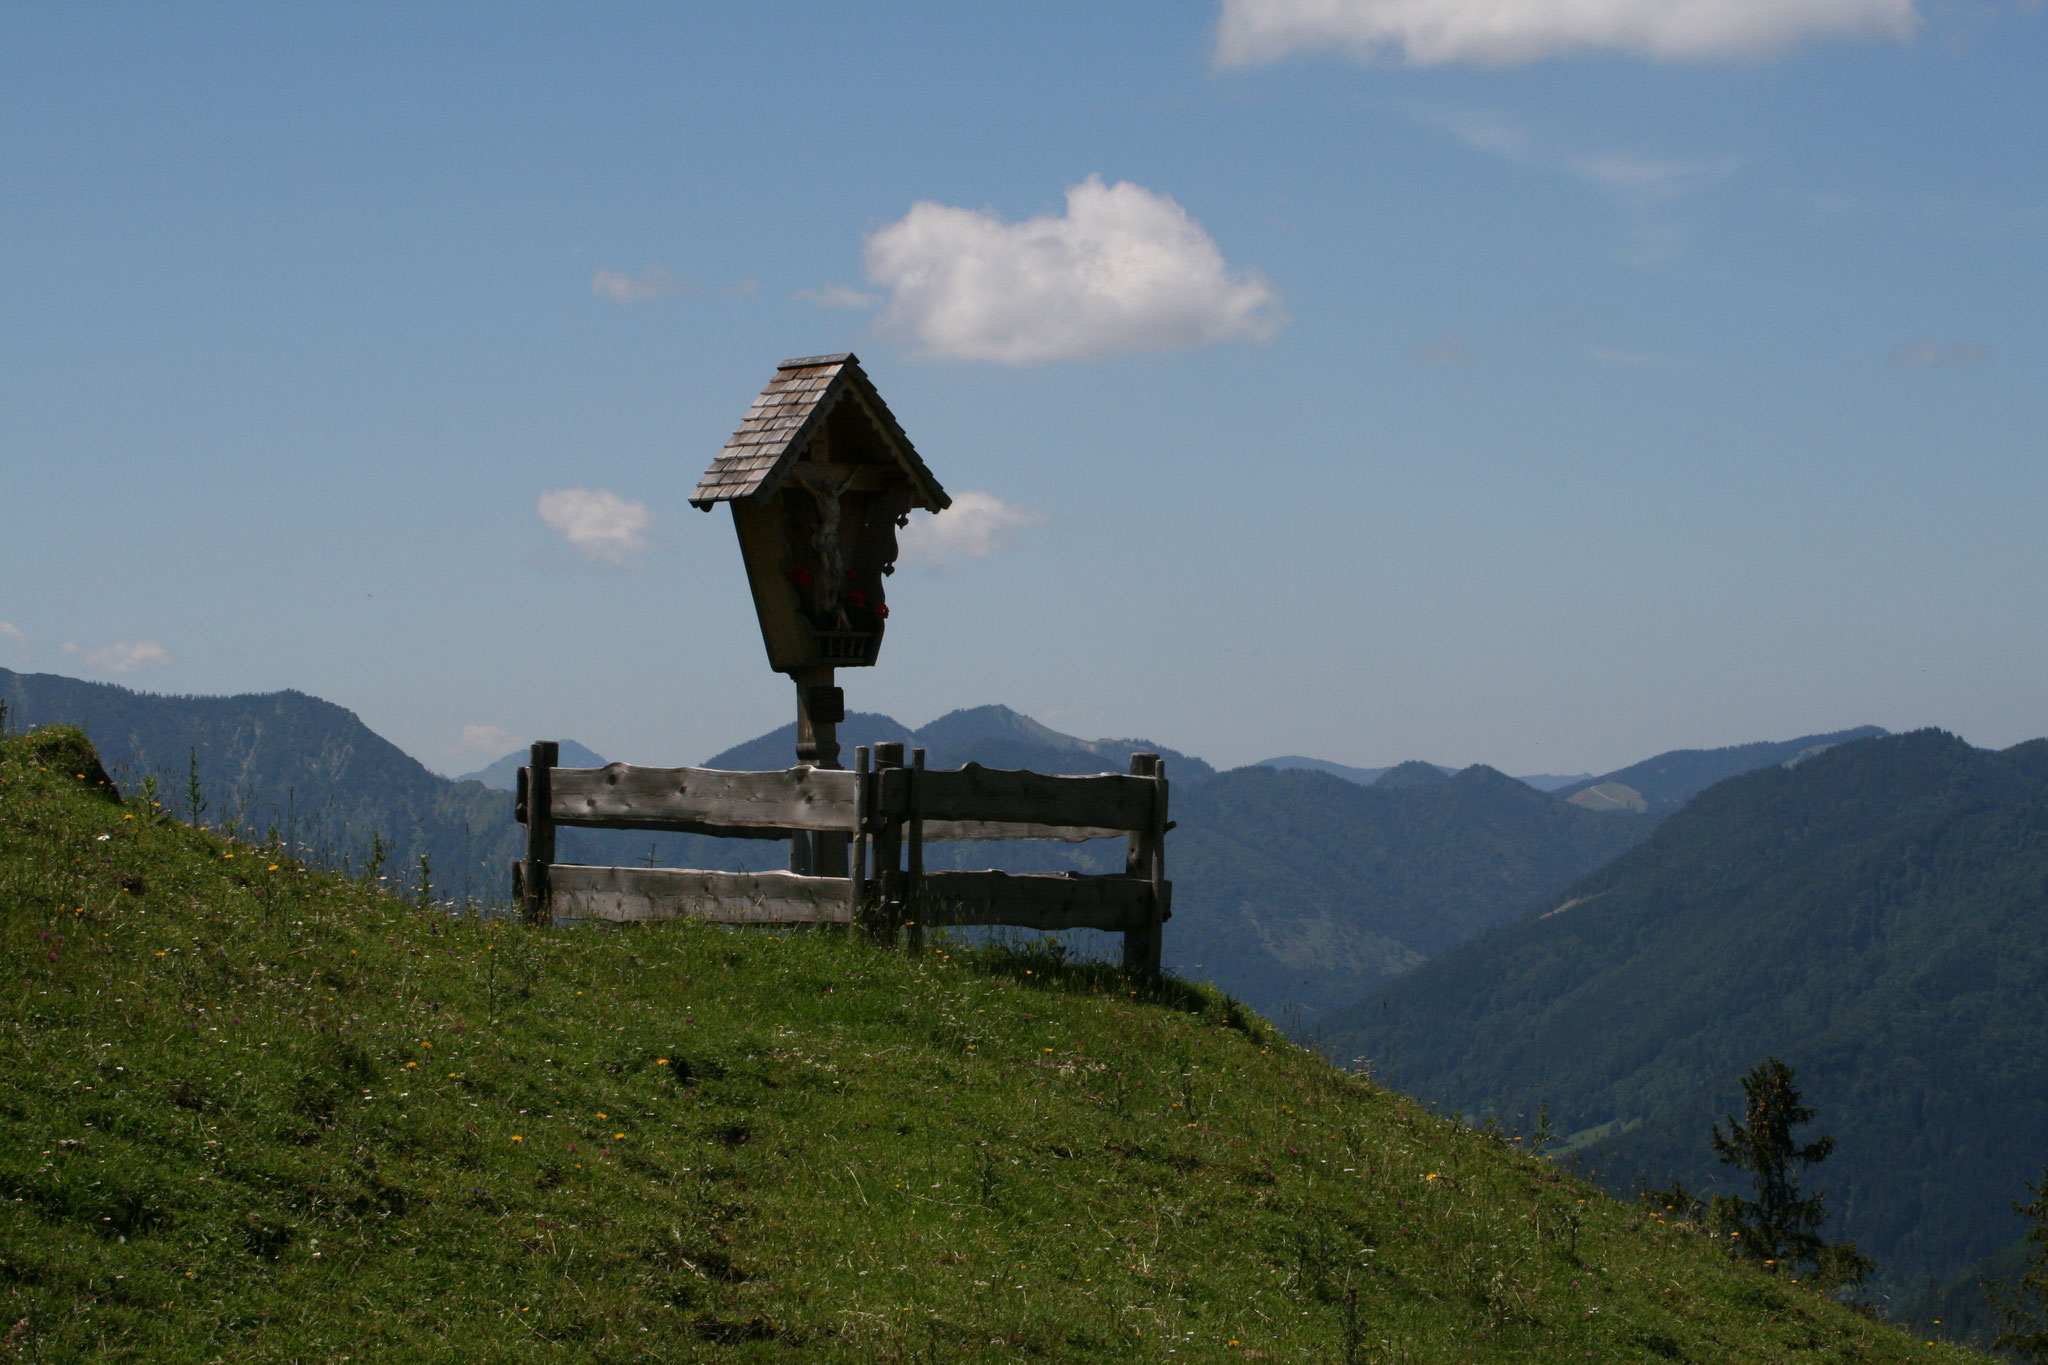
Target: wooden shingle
x,y
780,425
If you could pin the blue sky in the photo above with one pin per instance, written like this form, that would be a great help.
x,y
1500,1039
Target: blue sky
x,y
1358,378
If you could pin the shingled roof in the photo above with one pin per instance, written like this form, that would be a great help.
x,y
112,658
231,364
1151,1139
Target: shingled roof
x,y
779,427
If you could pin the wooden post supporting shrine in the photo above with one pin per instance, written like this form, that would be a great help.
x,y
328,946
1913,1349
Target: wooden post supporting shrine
x,y
888,854
820,706
541,760
1145,857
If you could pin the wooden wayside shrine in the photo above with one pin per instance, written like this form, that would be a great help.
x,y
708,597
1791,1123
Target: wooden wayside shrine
x,y
888,812
820,477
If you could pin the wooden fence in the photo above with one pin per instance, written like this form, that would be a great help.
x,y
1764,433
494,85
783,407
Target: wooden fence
x,y
887,813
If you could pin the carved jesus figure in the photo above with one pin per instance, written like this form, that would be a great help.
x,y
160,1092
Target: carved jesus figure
x,y
825,489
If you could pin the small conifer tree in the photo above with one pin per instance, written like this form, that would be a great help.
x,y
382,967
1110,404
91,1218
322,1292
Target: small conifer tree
x,y
1780,1226
195,795
2026,1324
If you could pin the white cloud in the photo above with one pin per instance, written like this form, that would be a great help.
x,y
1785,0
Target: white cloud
x,y
15,641
1642,180
1123,270
121,656
603,527
489,739
974,527
739,289
1509,32
839,296
653,283
1924,353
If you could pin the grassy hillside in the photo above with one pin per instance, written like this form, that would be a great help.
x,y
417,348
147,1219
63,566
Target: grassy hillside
x,y
1876,915
253,1112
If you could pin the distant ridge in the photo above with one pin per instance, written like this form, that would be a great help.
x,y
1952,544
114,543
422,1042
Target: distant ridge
x,y
503,775
1671,779
993,736
1413,773
1365,777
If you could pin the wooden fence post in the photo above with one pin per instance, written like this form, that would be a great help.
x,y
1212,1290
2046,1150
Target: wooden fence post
x,y
913,880
542,760
888,852
1162,892
1145,858
863,815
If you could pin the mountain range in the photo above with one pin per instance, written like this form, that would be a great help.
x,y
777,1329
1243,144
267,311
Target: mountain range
x,y
1876,915
1366,777
1296,889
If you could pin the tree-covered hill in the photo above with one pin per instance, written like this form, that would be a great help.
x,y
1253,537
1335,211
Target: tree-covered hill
x,y
325,780
1297,890
252,1111
1876,915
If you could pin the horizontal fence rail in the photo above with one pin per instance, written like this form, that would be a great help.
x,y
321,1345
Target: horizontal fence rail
x,y
704,800
888,812
975,795
1038,900
625,894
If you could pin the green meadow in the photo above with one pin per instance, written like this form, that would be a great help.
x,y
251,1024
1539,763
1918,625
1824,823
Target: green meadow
x,y
253,1111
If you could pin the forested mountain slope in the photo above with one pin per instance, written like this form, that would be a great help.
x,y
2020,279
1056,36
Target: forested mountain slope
x,y
311,768
1876,915
1297,890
